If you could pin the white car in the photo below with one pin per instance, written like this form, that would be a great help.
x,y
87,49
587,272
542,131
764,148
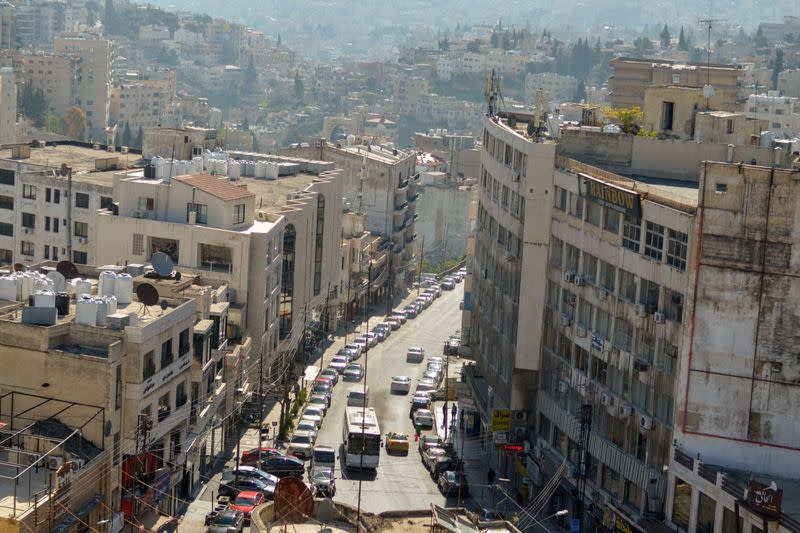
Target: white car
x,y
302,444
426,385
306,424
338,363
372,337
355,349
400,316
401,384
362,344
393,322
423,418
436,359
317,400
415,354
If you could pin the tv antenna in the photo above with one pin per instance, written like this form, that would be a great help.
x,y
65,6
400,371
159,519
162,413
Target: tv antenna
x,y
708,89
492,93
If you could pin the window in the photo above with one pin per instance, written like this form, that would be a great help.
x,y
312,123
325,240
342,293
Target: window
x,y
46,251
706,509
602,324
29,191
216,258
183,343
138,244
673,305
5,255
607,274
666,361
667,115
318,244
676,249
581,359
556,250
238,213
611,220
663,408
654,241
560,202
149,367
56,196
200,212
585,314
593,212
287,281
6,229
641,396
589,268
180,394
55,253
649,295
599,370
572,258
55,224
576,205
6,177
509,154
82,200
81,229
106,202
631,233
28,220
147,204
26,248
7,202
166,353
729,126
164,408
118,388
622,334
47,223
171,247
552,294
627,286
504,197
80,258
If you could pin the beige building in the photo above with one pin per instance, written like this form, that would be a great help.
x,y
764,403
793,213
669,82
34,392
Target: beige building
x,y
558,88
93,87
141,103
8,105
789,83
632,76
55,75
178,143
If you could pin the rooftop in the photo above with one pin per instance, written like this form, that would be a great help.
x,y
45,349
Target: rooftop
x,y
273,194
376,152
219,187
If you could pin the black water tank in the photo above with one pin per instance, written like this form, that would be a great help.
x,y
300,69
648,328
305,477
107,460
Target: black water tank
x,y
62,303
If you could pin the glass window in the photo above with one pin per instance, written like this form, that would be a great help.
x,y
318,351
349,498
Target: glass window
x,y
654,241
706,509
287,281
581,359
80,258
200,210
28,220
676,249
593,212
29,191
556,250
183,343
589,268
585,310
238,213
728,521
55,224
607,274
641,395
602,324
504,197
81,229
560,199
56,196
106,202
7,202
627,285
611,220
216,258
171,247
631,233
318,245
81,200
166,353
681,503
6,229
622,334
663,410
572,258
576,205
553,290
26,248
149,365
6,177
673,305
649,295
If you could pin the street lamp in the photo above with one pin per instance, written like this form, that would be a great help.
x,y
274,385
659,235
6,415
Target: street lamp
x,y
557,514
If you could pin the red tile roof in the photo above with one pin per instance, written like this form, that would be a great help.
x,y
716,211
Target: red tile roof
x,y
216,186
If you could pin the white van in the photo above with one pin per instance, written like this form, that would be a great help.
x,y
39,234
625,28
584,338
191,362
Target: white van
x,y
358,397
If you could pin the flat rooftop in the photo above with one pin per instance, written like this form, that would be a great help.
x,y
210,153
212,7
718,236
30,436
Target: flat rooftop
x,y
272,195
377,153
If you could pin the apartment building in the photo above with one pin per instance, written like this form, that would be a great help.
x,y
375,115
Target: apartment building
x,y
8,105
55,75
38,23
789,83
782,113
141,103
734,464
407,90
93,87
632,76
559,88
47,215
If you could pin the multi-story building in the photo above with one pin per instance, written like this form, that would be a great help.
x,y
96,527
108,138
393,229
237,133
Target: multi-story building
x,y
49,215
782,113
55,75
558,88
632,76
8,39
8,105
407,92
38,23
93,88
446,223
789,83
141,103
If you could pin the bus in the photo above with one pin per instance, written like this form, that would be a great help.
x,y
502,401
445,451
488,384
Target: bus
x,y
361,438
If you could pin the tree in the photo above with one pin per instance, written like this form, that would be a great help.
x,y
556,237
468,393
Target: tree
x,y
54,123
683,44
629,118
250,74
777,68
580,92
444,44
299,88
474,46
127,135
109,17
665,37
760,40
33,104
494,40
75,123
138,142
279,40
245,124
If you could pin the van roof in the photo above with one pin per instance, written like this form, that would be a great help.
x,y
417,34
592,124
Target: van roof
x,y
324,449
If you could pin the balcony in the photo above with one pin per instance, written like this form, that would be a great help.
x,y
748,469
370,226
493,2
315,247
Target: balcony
x,y
147,386
169,421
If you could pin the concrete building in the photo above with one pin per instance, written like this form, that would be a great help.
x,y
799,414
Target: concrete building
x,y
55,75
444,222
141,103
789,83
777,31
8,105
47,216
178,143
736,406
93,88
782,113
558,88
407,91
632,76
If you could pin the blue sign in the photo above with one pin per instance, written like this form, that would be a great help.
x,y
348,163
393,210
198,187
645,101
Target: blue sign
x,y
575,525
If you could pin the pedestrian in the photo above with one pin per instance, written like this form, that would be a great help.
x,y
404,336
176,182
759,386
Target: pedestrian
x,y
490,476
444,415
453,413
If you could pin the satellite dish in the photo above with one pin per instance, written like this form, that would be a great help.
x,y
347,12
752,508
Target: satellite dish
x,y
19,267
147,294
293,500
64,169
163,305
162,264
177,276
67,269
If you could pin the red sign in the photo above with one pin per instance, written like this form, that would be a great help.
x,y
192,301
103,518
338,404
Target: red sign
x,y
513,447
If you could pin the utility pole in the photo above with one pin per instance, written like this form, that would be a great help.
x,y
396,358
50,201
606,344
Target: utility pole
x,y
324,320
445,412
421,255
364,403
707,90
583,444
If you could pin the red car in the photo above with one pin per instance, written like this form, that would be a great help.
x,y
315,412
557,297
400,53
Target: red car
x,y
246,501
250,457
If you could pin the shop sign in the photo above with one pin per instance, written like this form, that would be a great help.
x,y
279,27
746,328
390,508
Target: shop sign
x,y
765,499
611,196
501,420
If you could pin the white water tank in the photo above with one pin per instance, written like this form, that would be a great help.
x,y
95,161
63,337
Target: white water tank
x,y
106,305
133,319
272,171
59,283
86,311
261,169
112,304
8,288
123,288
82,286
197,165
107,281
44,299
43,283
27,286
234,170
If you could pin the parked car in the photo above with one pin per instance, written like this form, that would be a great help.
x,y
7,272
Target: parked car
x,y
249,472
227,521
354,349
232,487
434,375
423,418
362,344
339,362
410,311
324,481
353,372
415,354
450,482
350,353
322,388
430,454
320,400
420,400
397,442
284,466
313,410
245,502
250,457
331,374
307,424
324,456
448,284
302,444
426,385
385,327
400,316
441,464
401,384
372,338
429,441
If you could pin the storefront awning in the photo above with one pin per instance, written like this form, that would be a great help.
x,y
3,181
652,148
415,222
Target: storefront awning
x,y
80,513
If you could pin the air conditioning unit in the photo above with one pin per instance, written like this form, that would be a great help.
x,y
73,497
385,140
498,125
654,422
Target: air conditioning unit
x,y
602,294
83,240
640,365
28,230
565,320
607,347
569,277
624,410
579,281
515,175
261,216
110,148
123,149
603,498
78,463
573,299
638,310
606,399
645,422
54,463
658,318
520,416
581,331
563,386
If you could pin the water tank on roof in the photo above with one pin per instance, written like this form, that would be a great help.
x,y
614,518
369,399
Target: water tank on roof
x,y
82,286
106,284
123,288
234,170
62,303
86,311
261,170
27,286
8,288
272,171
44,299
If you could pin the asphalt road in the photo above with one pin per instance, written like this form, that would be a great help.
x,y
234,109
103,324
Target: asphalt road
x,y
400,482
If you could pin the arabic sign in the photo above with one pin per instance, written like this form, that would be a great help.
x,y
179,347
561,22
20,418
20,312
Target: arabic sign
x,y
611,196
501,420
765,499
622,526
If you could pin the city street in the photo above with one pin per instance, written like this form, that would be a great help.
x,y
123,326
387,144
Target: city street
x,y
400,482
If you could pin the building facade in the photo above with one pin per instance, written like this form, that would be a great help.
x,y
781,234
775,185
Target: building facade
x,y
8,105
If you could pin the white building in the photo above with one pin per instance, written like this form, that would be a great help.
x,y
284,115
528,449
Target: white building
x,y
141,103
558,88
8,105
782,113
